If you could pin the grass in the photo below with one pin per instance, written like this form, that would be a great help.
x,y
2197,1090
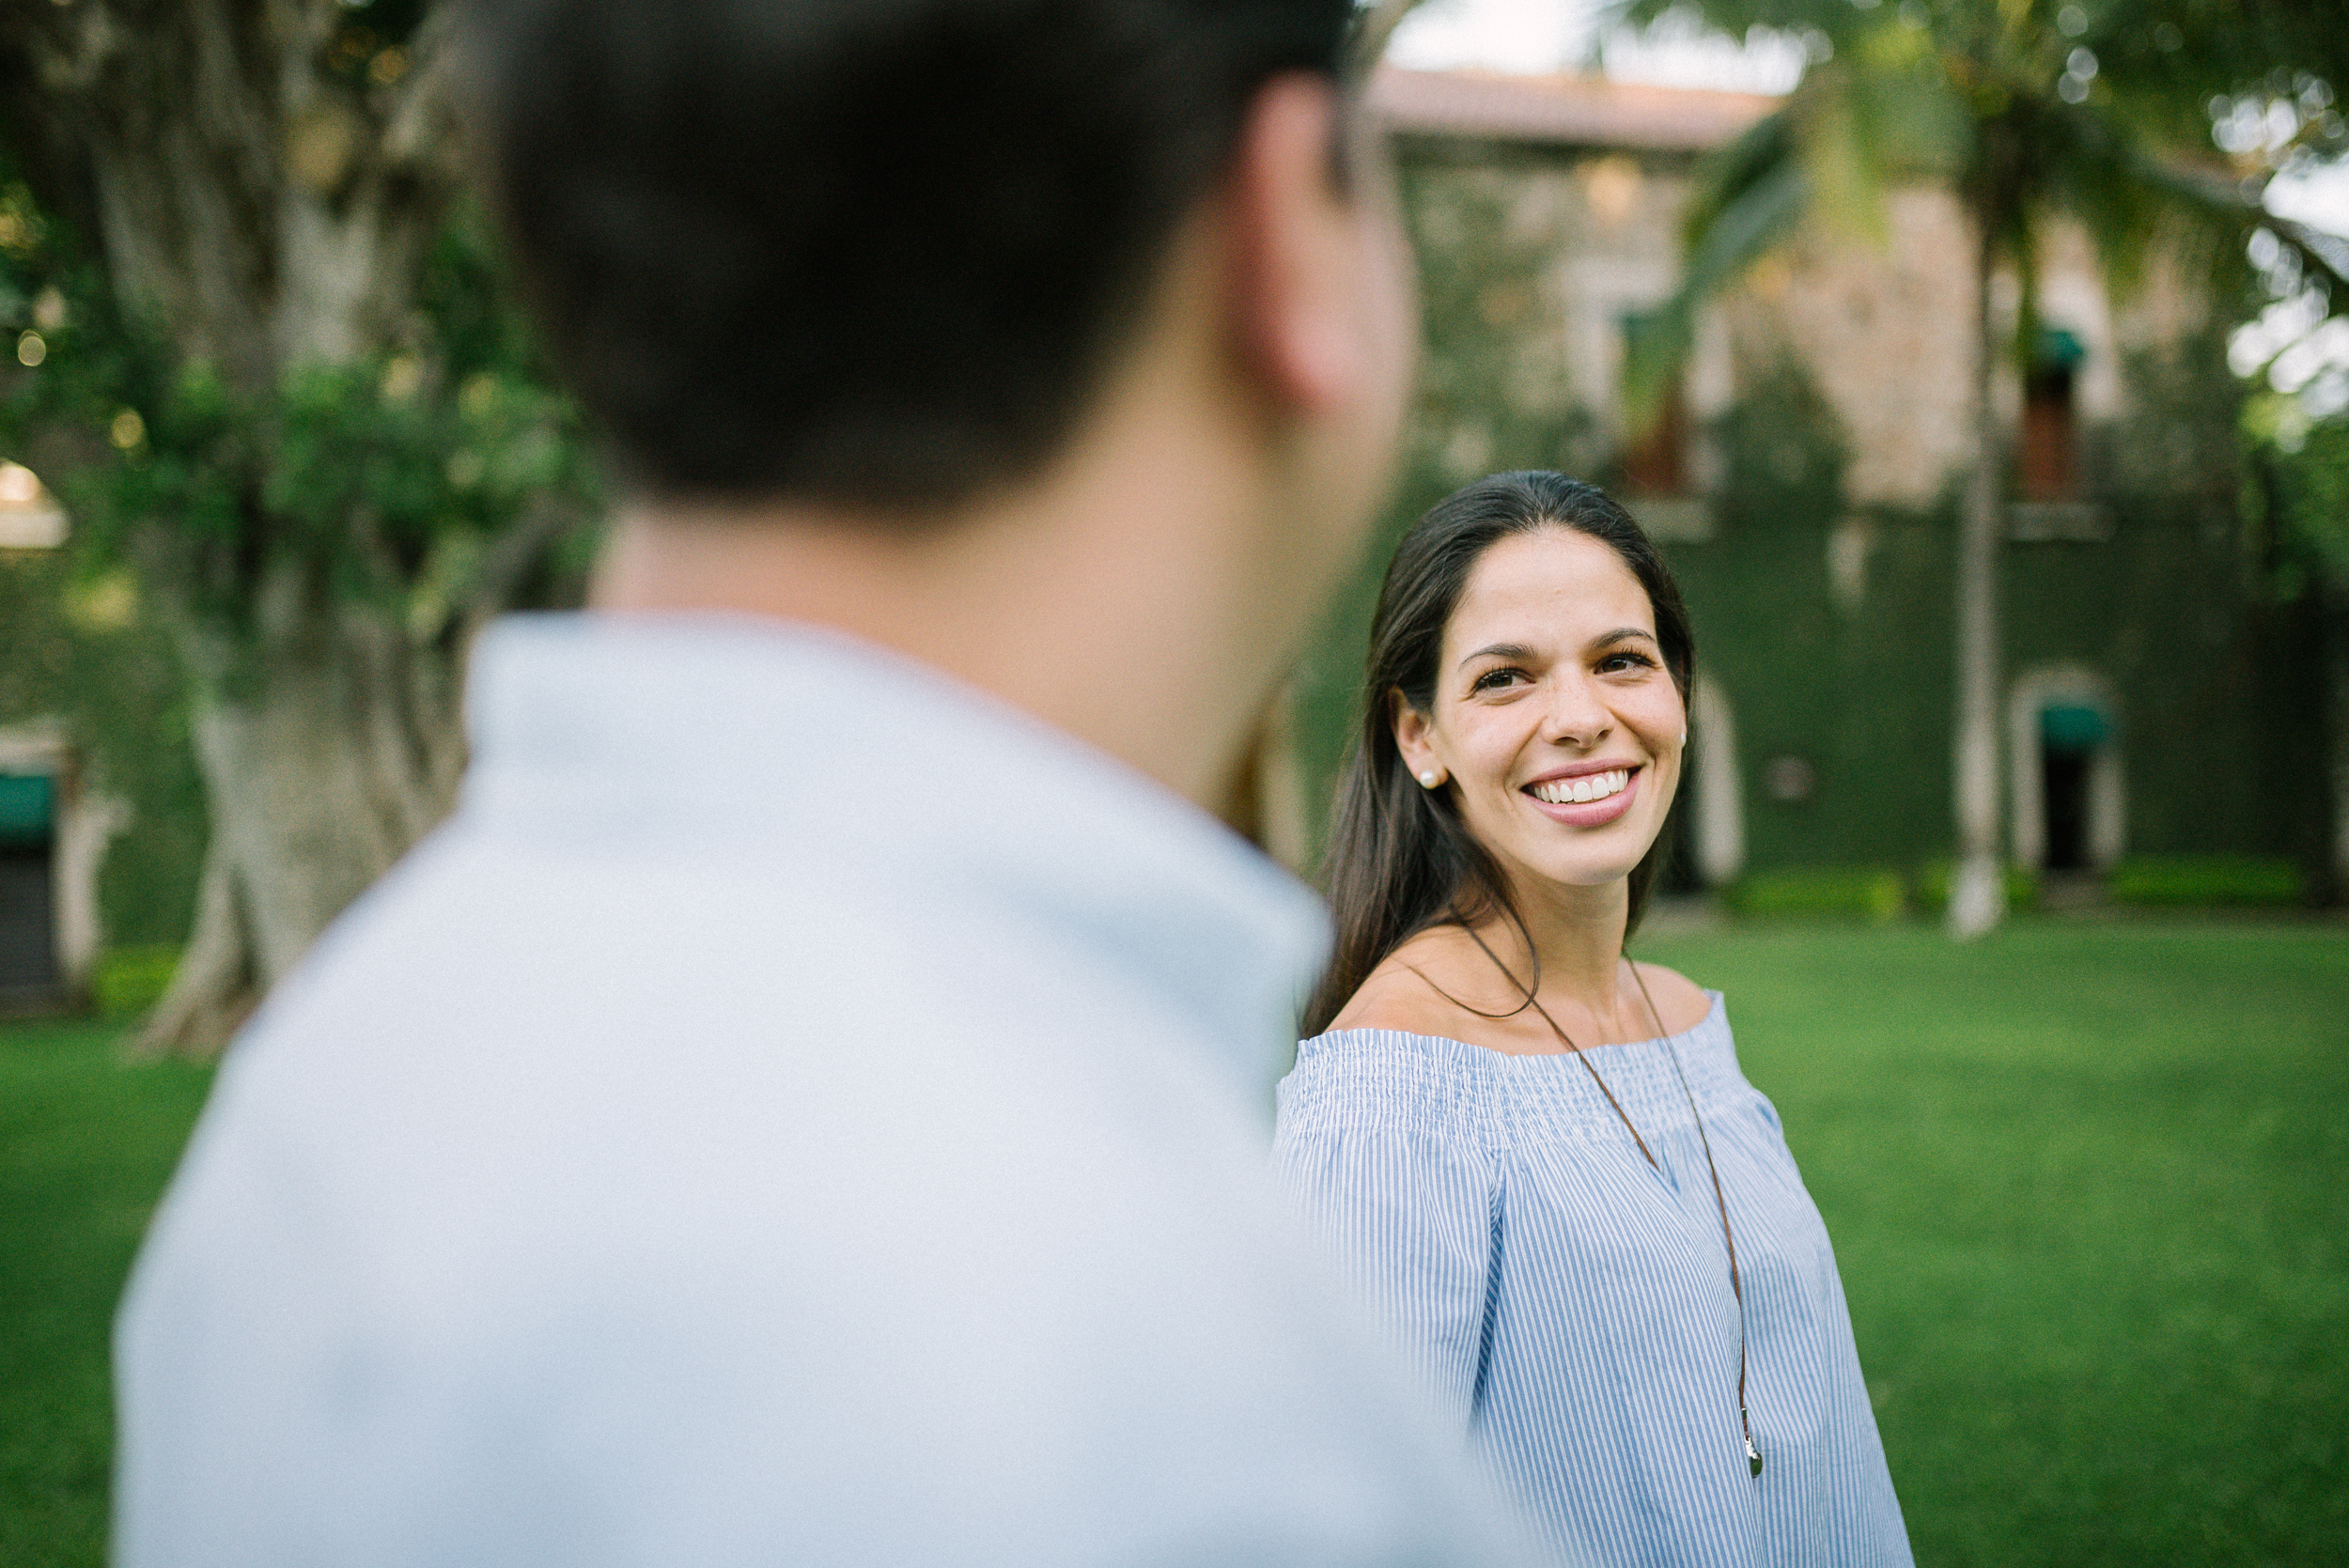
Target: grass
x,y
2088,1186
86,1143
2088,1183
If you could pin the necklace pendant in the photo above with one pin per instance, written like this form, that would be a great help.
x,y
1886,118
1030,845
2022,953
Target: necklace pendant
x,y
1753,1456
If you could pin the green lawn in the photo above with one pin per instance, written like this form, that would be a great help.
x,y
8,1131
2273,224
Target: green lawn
x,y
2089,1183
85,1142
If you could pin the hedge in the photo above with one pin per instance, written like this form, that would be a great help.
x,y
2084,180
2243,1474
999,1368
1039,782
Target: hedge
x,y
1859,892
2257,882
1933,887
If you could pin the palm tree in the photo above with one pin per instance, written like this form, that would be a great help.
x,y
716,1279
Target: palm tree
x,y
2099,109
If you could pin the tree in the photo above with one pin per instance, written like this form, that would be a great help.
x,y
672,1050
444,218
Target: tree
x,y
2101,109
260,354
2305,493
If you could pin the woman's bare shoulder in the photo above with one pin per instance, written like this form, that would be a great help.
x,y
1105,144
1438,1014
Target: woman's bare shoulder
x,y
1683,1003
1419,987
1396,1000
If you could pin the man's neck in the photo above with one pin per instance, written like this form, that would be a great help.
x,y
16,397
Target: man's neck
x,y
1102,596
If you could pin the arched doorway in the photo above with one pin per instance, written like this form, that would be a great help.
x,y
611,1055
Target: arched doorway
x,y
55,827
2070,734
30,975
2067,782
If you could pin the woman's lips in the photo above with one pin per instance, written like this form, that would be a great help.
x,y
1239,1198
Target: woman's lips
x,y
1589,813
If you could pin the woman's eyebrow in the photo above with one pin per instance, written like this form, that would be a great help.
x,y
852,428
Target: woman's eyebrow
x,y
1621,634
1499,650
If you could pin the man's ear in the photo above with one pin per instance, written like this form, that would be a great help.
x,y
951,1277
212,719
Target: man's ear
x,y
1301,283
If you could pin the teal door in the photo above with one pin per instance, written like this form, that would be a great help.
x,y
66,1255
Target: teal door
x,y
29,913
2068,737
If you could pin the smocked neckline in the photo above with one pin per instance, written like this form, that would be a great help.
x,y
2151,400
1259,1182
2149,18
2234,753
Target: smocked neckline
x,y
1711,1012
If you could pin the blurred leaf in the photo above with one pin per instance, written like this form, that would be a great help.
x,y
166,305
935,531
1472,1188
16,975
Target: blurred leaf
x,y
2104,116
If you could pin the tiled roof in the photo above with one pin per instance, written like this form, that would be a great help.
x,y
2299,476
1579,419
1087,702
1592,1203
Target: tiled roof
x,y
1579,111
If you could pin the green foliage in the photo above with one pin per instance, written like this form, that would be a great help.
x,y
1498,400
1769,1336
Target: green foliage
x,y
392,485
2206,882
77,364
2309,491
130,980
1851,892
384,477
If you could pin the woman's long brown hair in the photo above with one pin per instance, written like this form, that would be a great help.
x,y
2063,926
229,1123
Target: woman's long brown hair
x,y
1400,859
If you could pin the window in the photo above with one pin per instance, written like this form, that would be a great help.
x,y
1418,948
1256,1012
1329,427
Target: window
x,y
2048,458
1656,464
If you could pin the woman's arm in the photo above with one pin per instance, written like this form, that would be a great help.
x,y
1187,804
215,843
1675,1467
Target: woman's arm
x,y
1409,1213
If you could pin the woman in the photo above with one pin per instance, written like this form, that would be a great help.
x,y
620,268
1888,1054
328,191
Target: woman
x,y
1541,1158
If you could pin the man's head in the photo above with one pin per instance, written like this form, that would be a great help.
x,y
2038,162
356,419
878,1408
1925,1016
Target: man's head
x,y
862,252
1059,344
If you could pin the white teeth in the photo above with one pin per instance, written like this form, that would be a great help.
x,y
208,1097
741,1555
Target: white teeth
x,y
1589,786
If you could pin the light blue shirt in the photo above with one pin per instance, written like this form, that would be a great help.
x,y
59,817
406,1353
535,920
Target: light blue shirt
x,y
1572,1302
799,1110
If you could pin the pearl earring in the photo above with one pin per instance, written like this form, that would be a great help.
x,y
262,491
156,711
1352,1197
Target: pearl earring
x,y
1431,778
1683,734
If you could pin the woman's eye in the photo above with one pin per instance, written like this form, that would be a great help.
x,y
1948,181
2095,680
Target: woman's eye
x,y
1615,662
1494,681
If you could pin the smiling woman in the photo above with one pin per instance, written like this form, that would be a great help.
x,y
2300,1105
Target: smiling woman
x,y
1522,602
1541,1160
1561,712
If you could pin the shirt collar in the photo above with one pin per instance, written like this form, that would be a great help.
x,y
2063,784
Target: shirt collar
x,y
781,737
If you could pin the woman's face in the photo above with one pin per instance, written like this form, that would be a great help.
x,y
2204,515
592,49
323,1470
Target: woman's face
x,y
1555,724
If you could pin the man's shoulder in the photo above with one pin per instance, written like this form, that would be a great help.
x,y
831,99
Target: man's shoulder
x,y
571,983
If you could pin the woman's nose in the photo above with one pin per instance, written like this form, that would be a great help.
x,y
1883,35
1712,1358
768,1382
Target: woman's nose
x,y
1576,717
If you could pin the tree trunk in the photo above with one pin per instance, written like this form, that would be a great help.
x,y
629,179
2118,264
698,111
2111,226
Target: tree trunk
x,y
326,751
2334,602
213,987
1978,882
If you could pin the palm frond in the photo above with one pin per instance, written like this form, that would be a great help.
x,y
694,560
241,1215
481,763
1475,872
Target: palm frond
x,y
1747,202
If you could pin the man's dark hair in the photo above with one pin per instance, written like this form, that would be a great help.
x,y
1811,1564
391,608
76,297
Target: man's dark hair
x,y
869,253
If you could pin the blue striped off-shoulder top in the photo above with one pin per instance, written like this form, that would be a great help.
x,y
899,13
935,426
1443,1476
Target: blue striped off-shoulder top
x,y
1573,1302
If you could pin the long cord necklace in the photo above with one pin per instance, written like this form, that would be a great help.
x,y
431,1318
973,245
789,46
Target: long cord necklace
x,y
1729,1241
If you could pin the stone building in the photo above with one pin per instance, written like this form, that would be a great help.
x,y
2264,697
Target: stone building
x,y
1803,480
